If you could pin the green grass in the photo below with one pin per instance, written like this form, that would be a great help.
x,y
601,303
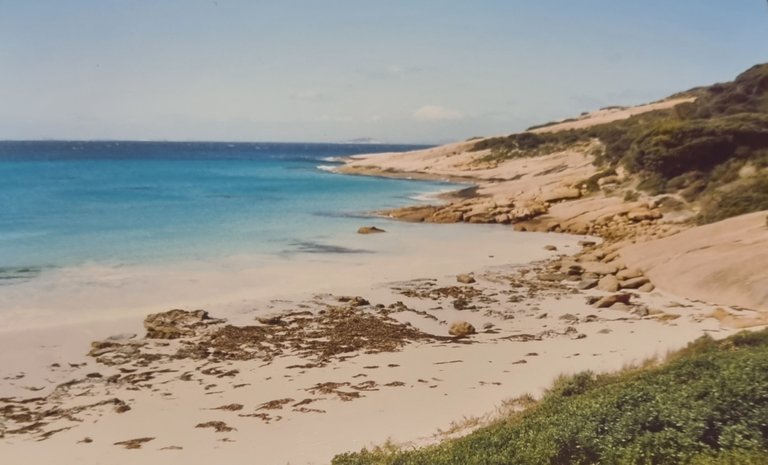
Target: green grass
x,y
708,404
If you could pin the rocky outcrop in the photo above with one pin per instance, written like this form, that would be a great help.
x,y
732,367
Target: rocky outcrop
x,y
474,210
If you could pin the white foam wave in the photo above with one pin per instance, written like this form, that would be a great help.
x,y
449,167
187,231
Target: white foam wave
x,y
430,196
334,159
329,168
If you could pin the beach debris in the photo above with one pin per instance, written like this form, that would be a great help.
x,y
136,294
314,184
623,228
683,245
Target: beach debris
x,y
218,426
229,407
271,319
276,404
465,278
370,230
177,323
134,443
461,329
355,301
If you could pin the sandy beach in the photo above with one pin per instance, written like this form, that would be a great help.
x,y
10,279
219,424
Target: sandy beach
x,y
408,336
274,401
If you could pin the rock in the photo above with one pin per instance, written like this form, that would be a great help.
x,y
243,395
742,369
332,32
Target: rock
x,y
413,214
622,307
465,278
550,248
579,336
641,310
563,193
608,180
370,230
488,326
103,347
121,337
589,257
590,318
502,218
609,300
587,284
176,323
270,320
356,301
551,277
634,283
569,317
608,283
647,287
587,243
446,215
461,329
642,214
629,273
599,268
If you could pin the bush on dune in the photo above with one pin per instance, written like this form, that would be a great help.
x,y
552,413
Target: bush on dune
x,y
707,404
700,141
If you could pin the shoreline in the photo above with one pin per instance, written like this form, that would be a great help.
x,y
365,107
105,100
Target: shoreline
x,y
539,309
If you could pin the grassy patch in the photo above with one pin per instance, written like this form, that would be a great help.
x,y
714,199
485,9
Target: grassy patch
x,y
708,404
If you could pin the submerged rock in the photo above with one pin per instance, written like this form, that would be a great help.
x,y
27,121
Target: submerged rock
x,y
370,230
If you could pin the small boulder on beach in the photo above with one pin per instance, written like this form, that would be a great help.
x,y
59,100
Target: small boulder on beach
x,y
461,329
465,278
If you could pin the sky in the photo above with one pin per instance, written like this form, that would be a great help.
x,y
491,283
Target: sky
x,y
421,71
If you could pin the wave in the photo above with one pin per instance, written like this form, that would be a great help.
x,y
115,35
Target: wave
x,y
430,196
334,159
329,168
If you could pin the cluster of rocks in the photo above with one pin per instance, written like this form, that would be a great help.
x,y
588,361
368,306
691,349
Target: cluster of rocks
x,y
634,219
473,210
599,268
629,222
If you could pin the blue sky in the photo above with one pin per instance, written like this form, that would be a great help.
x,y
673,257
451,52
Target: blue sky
x,y
333,70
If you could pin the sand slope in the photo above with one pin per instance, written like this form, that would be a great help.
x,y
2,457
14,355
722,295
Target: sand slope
x,y
724,262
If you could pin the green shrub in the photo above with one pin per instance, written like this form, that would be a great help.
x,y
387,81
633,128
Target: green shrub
x,y
708,404
746,197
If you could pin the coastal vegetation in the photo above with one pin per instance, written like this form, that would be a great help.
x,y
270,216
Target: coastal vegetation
x,y
713,150
715,414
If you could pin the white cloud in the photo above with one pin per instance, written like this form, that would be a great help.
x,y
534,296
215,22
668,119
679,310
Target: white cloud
x,y
436,113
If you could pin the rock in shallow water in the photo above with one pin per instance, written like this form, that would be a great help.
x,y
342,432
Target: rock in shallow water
x,y
370,230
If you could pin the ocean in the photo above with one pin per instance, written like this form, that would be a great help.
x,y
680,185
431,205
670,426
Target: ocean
x,y
124,203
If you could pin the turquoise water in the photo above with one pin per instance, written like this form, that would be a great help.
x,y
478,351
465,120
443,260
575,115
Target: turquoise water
x,y
68,203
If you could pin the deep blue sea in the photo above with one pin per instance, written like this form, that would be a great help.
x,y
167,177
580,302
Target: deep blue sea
x,y
68,203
